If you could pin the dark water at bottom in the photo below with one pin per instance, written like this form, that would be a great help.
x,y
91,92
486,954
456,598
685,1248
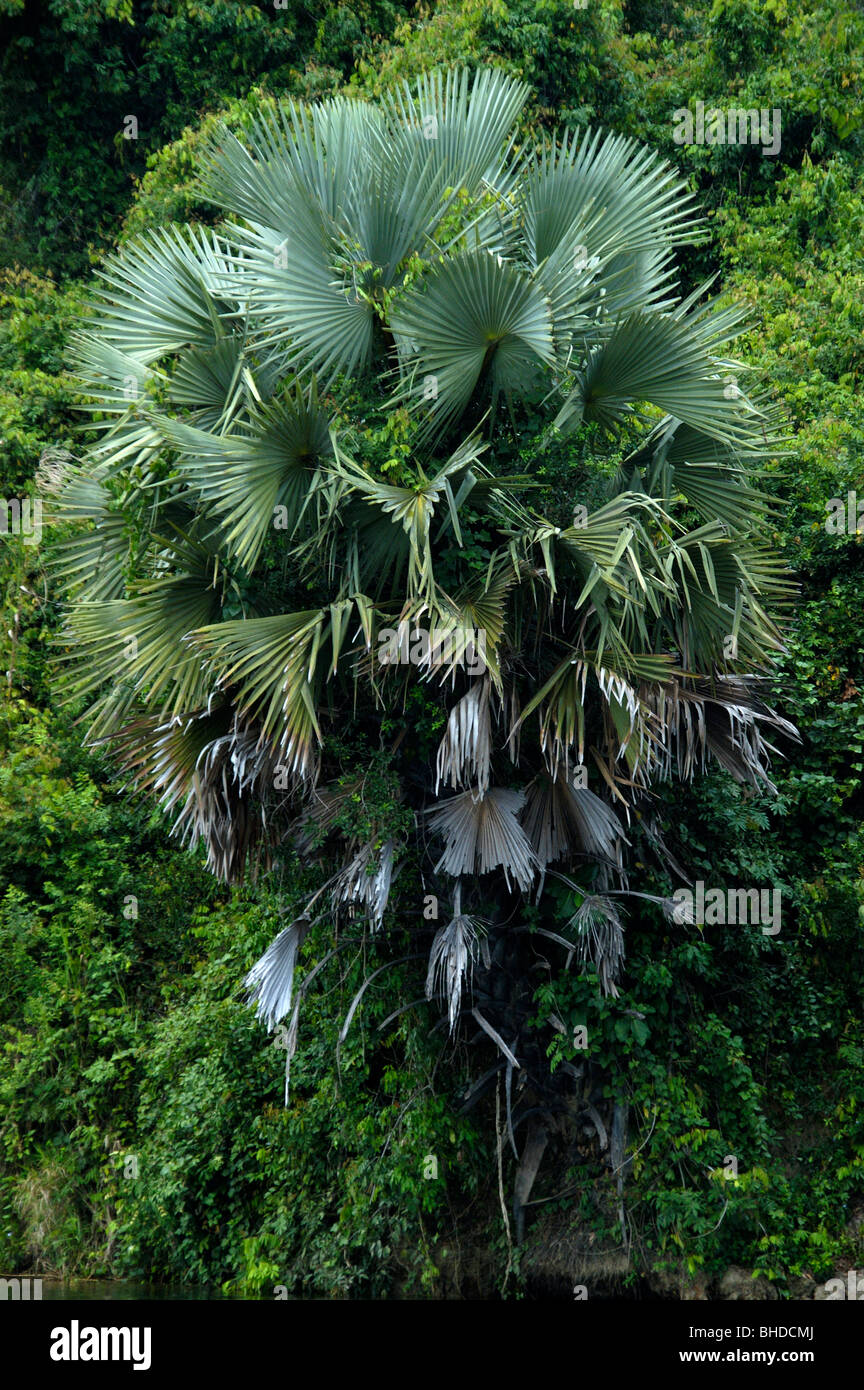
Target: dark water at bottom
x,y
123,1290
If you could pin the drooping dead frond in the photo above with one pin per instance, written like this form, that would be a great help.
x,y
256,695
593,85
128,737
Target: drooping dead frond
x,y
365,881
215,774
220,808
734,737
560,820
721,719
270,982
465,750
483,833
451,959
601,939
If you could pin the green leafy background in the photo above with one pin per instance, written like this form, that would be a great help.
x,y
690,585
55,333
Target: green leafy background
x,y
125,1037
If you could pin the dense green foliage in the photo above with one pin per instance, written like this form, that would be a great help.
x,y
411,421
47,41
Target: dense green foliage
x,y
126,1036
71,75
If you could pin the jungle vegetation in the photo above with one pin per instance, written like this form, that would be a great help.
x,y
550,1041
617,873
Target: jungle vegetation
x,y
450,307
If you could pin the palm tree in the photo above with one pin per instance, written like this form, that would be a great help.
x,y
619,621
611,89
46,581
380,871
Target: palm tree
x,y
425,394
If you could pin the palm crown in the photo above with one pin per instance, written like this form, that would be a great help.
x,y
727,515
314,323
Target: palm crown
x,y
421,382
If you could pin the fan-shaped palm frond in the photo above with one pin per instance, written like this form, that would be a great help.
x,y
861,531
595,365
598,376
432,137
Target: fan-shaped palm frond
x,y
271,664
631,198
163,292
465,124
214,776
246,477
658,358
136,646
561,819
90,561
475,319
483,833
411,507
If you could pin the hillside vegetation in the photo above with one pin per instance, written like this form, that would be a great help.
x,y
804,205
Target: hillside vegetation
x,y
143,1129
